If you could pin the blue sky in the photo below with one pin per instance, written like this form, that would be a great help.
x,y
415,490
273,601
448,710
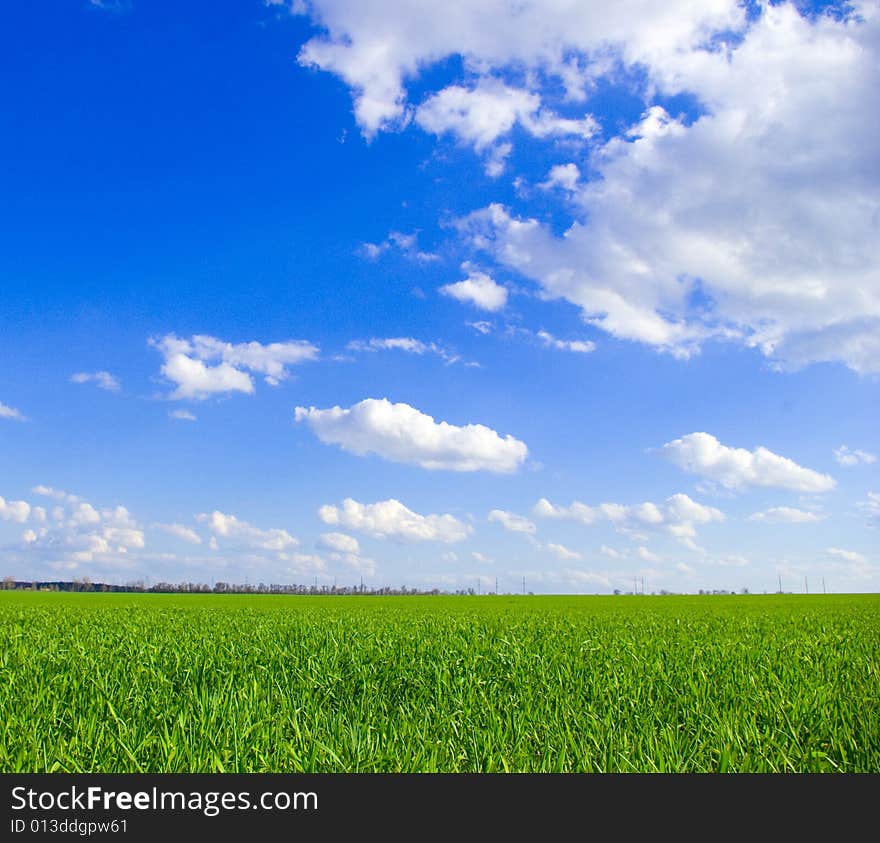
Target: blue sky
x,y
570,294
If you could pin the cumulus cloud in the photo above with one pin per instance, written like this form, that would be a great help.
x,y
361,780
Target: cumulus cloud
x,y
785,515
846,555
577,346
7,412
581,578
563,176
373,45
85,513
727,226
182,415
676,516
339,543
560,551
849,458
731,560
481,114
408,345
738,468
18,511
478,289
79,532
510,521
303,564
749,220
871,508
401,433
243,534
57,494
103,380
390,519
203,366
406,244
180,531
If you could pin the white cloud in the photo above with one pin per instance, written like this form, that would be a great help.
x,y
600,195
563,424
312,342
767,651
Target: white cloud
x,y
57,494
753,220
562,552
181,532
373,45
852,564
846,555
479,115
871,507
477,289
406,244
112,6
408,345
182,415
684,568
646,555
737,468
785,514
18,511
580,578
103,380
564,176
401,433
611,553
481,327
82,533
510,521
244,534
849,458
390,519
303,564
203,366
7,412
84,514
339,543
755,223
731,560
577,346
355,562
676,516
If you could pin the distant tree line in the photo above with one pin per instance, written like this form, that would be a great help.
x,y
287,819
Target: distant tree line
x,y
138,586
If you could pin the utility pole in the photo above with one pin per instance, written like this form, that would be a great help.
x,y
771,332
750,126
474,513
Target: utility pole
x,y
780,583
524,585
823,586
806,585
635,586
496,585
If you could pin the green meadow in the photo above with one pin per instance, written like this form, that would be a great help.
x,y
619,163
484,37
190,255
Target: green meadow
x,y
254,683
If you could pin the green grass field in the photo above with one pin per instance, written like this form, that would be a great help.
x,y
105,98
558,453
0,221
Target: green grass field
x,y
162,683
